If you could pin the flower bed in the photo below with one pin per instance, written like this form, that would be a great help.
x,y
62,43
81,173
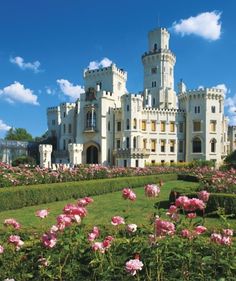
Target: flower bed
x,y
15,176
170,249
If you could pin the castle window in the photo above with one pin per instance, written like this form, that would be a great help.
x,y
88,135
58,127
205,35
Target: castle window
x,y
99,86
136,163
163,126
212,126
163,145
134,142
64,114
64,144
154,70
213,109
91,119
153,125
154,84
127,107
125,163
144,125
64,128
119,86
197,145
118,126
127,124
144,143
69,129
118,144
181,146
181,127
172,146
53,122
196,126
135,123
213,145
108,126
155,47
69,141
109,155
153,101
153,145
172,127
197,109
127,142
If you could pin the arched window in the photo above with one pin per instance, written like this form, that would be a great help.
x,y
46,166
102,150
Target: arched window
x,y
127,142
213,145
155,46
134,142
127,124
135,123
197,145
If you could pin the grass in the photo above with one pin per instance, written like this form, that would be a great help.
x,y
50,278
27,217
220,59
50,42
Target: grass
x,y
104,207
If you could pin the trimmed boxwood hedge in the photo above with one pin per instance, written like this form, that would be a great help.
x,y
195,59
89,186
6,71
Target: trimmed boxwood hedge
x,y
216,200
22,196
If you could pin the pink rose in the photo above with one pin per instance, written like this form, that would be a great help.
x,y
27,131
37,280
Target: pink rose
x,y
98,246
49,240
1,249
186,233
191,215
16,241
127,193
200,229
13,223
117,220
42,214
203,195
152,190
228,232
164,228
132,266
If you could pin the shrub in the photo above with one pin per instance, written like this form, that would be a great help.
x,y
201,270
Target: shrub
x,y
23,160
22,196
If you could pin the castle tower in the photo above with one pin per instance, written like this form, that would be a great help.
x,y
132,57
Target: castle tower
x,y
158,65
45,151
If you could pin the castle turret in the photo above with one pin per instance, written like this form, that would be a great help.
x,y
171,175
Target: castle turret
x,y
159,64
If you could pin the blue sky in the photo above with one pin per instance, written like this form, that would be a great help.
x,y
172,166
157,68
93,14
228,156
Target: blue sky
x,y
46,45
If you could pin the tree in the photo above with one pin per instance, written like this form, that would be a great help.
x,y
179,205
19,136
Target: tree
x,y
18,134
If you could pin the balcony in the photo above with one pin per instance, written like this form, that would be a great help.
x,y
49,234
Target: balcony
x,y
131,152
90,129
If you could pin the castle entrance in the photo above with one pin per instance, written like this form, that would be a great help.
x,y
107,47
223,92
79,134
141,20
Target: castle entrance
x,y
92,155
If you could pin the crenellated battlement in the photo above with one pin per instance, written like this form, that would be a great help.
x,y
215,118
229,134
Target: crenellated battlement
x,y
96,73
202,92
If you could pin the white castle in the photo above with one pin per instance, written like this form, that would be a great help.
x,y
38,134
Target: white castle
x,y
108,126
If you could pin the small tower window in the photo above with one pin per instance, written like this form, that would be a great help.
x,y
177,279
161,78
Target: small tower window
x,y
134,142
118,126
154,70
135,123
108,126
155,47
127,142
127,124
69,129
213,109
213,145
197,109
127,107
91,119
154,84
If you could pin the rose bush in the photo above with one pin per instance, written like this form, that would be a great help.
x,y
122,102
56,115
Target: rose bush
x,y
173,247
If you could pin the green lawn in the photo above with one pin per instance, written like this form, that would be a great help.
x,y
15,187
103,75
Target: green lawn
x,y
104,207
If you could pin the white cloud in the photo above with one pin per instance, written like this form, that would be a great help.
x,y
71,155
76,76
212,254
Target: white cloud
x,y
3,126
70,90
105,62
222,87
206,25
17,92
19,61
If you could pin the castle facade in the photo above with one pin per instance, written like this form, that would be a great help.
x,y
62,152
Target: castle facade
x,y
108,126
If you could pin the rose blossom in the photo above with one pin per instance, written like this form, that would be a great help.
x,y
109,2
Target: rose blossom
x,y
200,229
94,234
15,240
128,193
164,227
12,222
84,201
131,228
132,266
203,195
186,233
42,213
151,190
191,215
117,220
1,249
49,240
228,232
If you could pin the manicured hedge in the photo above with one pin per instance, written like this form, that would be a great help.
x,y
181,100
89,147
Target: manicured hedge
x,y
23,196
191,178
216,200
